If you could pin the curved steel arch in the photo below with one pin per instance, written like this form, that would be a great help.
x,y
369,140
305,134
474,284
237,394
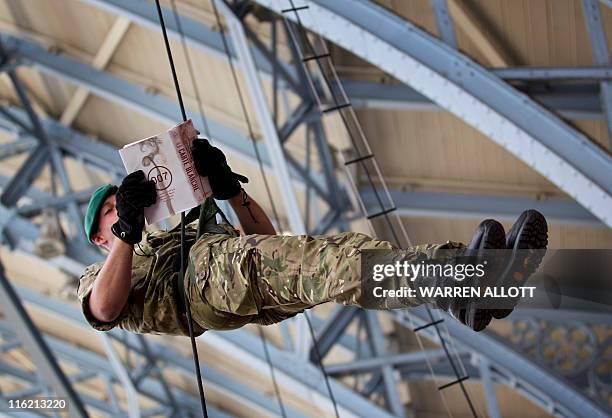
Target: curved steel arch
x,y
510,118
556,395
135,97
456,83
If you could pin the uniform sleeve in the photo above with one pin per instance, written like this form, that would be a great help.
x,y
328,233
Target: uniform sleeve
x,y
84,292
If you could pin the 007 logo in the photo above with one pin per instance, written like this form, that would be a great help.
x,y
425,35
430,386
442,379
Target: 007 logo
x,y
161,176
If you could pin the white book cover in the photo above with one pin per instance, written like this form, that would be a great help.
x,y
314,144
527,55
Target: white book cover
x,y
166,159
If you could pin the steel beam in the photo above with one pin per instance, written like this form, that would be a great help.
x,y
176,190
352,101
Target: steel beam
x,y
23,178
72,207
123,376
197,34
441,371
80,146
601,54
538,138
287,72
597,34
270,134
554,73
340,201
56,160
93,365
368,365
338,198
23,233
58,202
272,141
13,124
293,374
464,206
17,146
208,40
299,116
377,340
252,397
33,379
39,351
489,389
137,98
326,223
25,101
555,395
566,100
444,22
571,101
120,91
332,329
346,341
146,350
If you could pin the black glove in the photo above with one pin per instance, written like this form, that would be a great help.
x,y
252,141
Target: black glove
x,y
211,162
134,194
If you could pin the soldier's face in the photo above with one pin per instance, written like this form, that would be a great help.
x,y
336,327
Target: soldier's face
x,y
108,216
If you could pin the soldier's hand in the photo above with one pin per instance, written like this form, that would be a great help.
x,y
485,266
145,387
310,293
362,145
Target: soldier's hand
x,y
134,194
137,191
211,162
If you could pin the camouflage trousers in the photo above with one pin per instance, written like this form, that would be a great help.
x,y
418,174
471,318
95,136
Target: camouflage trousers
x,y
265,279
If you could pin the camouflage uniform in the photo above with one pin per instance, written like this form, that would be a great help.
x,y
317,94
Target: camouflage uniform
x,y
233,280
153,300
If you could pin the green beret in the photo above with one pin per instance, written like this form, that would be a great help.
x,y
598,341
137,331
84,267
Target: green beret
x,y
95,203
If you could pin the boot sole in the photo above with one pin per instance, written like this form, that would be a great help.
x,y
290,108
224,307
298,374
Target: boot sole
x,y
493,237
532,235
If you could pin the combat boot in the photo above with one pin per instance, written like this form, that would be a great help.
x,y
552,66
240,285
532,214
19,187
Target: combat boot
x,y
528,239
489,235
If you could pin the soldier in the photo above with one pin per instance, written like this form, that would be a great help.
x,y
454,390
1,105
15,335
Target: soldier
x,y
235,279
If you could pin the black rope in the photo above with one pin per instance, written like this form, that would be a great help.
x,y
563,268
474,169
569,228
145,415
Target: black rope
x,y
272,374
208,134
194,348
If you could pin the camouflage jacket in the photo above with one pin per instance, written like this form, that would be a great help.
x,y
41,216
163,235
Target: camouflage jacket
x,y
153,303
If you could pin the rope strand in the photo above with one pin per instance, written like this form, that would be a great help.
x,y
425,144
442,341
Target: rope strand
x,y
194,348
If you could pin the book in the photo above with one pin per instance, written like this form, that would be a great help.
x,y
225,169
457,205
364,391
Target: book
x,y
166,159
